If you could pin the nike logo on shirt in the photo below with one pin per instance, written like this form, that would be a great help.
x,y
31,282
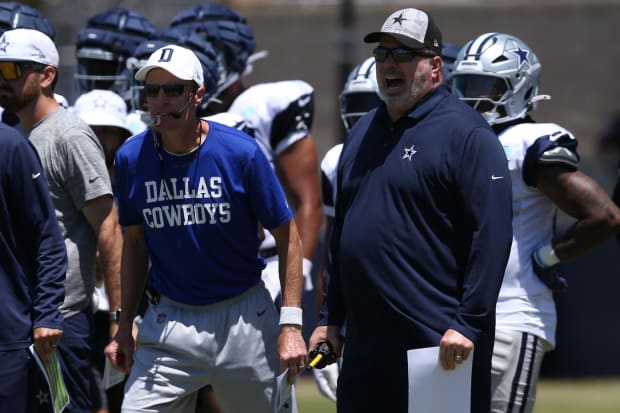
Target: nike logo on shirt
x,y
35,176
493,177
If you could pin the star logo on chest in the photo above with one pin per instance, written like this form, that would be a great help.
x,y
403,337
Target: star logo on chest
x,y
409,152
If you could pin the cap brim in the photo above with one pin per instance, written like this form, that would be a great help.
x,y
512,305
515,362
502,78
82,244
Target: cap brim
x,y
21,59
141,74
374,37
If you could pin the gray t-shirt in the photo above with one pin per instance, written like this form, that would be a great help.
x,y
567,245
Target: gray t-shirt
x,y
75,169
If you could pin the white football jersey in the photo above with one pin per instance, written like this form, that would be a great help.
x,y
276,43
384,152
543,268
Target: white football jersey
x,y
525,303
279,113
230,119
329,177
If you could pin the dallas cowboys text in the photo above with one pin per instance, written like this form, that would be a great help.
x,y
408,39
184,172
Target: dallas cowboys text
x,y
202,206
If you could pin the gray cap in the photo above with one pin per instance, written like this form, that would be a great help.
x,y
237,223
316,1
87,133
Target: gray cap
x,y
413,28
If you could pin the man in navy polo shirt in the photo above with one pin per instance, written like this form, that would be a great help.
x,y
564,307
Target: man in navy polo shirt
x,y
422,230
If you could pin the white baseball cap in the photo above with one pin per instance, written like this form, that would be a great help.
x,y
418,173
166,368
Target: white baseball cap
x,y
102,108
28,45
176,60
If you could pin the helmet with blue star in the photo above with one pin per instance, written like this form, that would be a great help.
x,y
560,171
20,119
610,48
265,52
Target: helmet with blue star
x,y
103,47
499,76
15,15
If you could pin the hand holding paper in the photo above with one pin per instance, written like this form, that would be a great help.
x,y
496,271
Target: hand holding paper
x,y
429,383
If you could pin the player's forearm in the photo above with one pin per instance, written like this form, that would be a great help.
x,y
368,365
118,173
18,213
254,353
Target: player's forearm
x,y
110,244
290,265
598,217
585,235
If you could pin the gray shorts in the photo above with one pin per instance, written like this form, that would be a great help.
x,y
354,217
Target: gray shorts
x,y
517,358
232,345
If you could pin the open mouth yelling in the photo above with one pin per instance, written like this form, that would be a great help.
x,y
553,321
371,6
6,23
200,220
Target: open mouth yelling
x,y
394,84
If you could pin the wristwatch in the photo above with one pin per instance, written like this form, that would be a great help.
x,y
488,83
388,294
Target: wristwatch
x,y
115,315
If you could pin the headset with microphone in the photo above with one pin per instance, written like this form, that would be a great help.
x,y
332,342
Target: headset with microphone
x,y
156,119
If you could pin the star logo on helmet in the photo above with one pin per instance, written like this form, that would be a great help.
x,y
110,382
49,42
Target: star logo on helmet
x,y
399,19
522,55
3,45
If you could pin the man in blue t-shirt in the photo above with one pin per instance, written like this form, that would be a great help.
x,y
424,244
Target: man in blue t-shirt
x,y
193,198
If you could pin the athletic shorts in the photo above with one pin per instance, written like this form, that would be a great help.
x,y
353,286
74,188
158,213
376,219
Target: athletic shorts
x,y
232,345
517,357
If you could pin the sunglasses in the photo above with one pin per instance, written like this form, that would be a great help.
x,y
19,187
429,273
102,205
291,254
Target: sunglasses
x,y
15,70
399,54
171,90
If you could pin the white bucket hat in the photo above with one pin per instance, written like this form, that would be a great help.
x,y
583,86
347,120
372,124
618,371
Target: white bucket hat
x,y
102,108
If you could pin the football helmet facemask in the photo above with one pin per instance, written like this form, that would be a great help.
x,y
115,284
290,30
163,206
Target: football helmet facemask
x,y
360,93
499,76
103,47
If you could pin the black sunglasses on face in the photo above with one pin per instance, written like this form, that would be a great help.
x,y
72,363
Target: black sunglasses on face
x,y
171,90
399,54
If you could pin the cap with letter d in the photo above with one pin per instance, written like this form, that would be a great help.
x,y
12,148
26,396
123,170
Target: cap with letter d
x,y
176,60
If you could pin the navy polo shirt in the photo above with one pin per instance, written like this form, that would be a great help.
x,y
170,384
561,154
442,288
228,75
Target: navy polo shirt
x,y
423,225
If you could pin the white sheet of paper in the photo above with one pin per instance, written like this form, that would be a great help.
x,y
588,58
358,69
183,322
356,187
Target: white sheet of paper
x,y
286,401
111,376
435,390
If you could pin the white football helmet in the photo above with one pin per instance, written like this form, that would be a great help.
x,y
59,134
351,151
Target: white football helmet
x,y
499,76
360,93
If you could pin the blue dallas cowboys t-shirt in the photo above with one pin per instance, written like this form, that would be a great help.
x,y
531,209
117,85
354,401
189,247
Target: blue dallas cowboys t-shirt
x,y
200,212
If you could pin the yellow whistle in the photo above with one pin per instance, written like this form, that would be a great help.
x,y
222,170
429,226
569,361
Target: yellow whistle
x,y
315,360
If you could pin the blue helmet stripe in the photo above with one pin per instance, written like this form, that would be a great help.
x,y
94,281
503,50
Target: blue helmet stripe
x,y
481,45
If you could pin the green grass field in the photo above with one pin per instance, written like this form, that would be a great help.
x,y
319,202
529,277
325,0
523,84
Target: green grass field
x,y
554,396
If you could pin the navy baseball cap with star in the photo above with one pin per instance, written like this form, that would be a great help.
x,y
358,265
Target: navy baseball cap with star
x,y
414,28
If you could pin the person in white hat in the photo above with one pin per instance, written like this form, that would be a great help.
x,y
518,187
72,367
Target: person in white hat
x,y
192,195
106,113
75,169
